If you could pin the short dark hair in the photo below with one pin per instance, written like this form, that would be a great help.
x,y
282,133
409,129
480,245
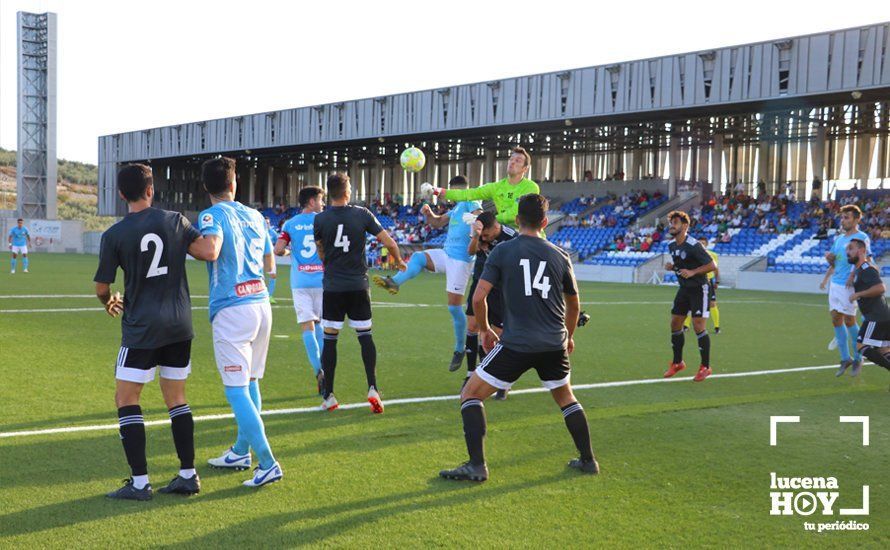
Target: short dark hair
x,y
337,185
307,194
532,211
20,220
487,219
458,180
852,209
523,152
702,238
684,217
217,174
133,180
858,242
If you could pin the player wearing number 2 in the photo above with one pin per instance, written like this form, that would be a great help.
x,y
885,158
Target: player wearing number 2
x,y
340,237
149,245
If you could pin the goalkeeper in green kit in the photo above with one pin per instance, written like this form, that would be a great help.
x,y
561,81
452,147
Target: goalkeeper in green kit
x,y
505,193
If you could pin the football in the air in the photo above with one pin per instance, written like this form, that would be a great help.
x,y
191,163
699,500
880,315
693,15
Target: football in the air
x,y
412,159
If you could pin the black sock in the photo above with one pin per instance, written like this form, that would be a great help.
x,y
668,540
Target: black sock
x,y
875,356
704,346
472,351
369,356
132,430
329,362
183,426
473,413
677,341
576,422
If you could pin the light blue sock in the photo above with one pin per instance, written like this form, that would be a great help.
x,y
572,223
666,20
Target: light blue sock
x,y
250,424
312,350
254,390
25,262
271,286
840,334
242,446
12,261
853,333
319,338
459,320
415,266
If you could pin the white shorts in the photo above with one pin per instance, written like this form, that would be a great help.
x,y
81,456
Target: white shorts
x,y
307,303
839,299
457,273
241,342
20,249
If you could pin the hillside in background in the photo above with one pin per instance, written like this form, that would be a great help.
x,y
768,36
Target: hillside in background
x,y
76,190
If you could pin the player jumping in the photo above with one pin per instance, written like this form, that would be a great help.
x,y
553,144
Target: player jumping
x,y
150,245
19,240
306,274
240,314
453,259
690,262
339,234
541,306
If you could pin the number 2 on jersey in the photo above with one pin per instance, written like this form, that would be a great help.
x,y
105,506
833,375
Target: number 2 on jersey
x,y
341,241
540,282
153,270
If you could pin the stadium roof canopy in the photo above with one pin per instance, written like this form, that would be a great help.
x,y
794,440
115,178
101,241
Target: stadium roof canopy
x,y
828,86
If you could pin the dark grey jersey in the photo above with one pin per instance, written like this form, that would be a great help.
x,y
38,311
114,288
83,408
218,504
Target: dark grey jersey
x,y
150,247
484,249
342,231
873,309
689,255
533,274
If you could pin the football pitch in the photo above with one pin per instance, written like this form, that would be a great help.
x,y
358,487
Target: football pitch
x,y
683,464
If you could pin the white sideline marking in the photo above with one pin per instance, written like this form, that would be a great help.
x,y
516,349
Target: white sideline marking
x,y
409,400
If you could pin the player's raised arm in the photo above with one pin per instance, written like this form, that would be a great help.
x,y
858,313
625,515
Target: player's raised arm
x,y
437,222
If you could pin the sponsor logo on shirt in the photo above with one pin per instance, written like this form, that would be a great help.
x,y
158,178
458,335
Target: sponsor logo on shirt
x,y
311,268
206,221
248,288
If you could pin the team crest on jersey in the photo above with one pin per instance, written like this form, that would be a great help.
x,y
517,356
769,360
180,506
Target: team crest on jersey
x,y
206,221
683,254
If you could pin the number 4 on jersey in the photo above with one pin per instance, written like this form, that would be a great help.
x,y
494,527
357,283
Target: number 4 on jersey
x,y
341,241
540,282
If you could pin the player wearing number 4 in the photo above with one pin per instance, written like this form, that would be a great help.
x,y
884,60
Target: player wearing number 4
x,y
306,274
453,259
240,314
340,235
149,245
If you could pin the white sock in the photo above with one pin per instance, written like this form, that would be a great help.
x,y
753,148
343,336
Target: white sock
x,y
187,473
139,482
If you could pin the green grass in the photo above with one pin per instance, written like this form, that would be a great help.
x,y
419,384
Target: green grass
x,y
683,464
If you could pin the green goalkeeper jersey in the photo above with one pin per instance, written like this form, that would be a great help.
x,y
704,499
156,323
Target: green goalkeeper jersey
x,y
504,195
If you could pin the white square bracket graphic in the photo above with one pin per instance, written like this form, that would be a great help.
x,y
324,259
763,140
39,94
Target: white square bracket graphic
x,y
774,420
859,420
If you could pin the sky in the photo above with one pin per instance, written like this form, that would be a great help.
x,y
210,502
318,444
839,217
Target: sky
x,y
125,65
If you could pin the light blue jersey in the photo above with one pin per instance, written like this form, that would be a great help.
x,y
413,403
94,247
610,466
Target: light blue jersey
x,y
842,267
306,269
459,231
236,277
19,236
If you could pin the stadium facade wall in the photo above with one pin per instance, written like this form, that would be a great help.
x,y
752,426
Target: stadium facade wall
x,y
779,282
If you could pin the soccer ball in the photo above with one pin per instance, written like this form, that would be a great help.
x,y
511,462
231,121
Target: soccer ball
x,y
412,159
